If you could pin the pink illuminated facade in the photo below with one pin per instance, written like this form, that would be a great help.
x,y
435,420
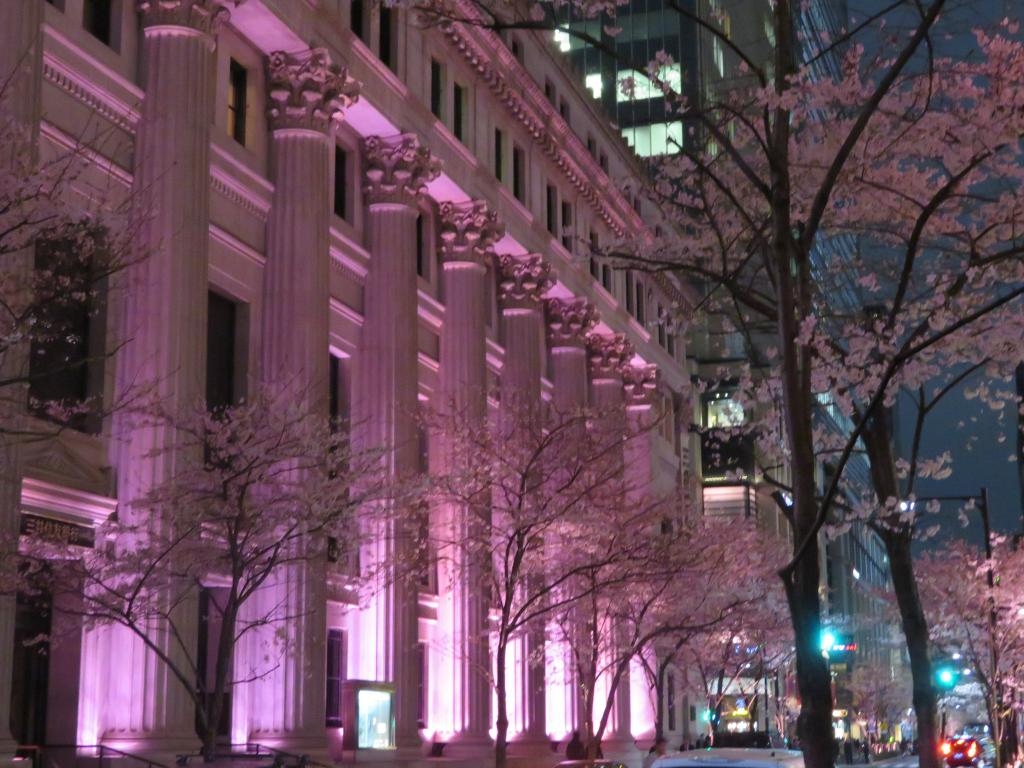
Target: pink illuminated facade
x,y
341,199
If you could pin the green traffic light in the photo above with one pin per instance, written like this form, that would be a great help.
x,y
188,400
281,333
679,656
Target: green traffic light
x,y
947,677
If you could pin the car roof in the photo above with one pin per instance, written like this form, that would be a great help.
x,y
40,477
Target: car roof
x,y
730,758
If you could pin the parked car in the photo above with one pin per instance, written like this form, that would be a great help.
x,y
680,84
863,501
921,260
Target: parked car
x,y
733,758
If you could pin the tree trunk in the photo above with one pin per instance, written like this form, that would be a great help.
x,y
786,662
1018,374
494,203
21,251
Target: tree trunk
x,y
814,724
915,629
501,740
659,689
214,705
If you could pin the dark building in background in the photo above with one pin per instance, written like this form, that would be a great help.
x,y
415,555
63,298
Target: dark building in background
x,y
648,123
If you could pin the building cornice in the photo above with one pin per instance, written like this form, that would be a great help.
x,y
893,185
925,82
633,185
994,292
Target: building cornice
x,y
526,102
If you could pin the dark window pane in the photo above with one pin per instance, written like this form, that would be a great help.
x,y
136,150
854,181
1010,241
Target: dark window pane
x,y
238,81
421,247
356,23
436,88
97,16
340,182
387,36
552,209
220,352
59,351
459,112
519,174
335,675
499,154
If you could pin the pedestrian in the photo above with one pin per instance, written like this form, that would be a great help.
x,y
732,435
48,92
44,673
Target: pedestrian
x,y
660,748
575,750
848,750
867,751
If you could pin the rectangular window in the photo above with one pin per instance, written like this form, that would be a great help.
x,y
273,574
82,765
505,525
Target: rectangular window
x,y
499,154
437,89
606,277
517,50
641,309
221,323
549,90
595,268
335,675
237,83
386,47
357,21
603,162
670,684
422,684
459,111
421,248
592,146
563,109
519,174
334,396
551,209
567,233
97,18
340,182
66,336
630,292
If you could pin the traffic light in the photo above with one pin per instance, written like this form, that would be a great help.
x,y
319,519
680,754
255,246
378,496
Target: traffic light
x,y
947,675
828,639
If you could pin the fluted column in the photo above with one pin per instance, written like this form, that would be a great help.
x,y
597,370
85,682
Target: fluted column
x,y
162,326
522,281
20,70
568,323
640,388
609,355
384,402
306,95
468,233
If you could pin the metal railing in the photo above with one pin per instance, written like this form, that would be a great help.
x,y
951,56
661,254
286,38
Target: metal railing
x,y
43,755
251,749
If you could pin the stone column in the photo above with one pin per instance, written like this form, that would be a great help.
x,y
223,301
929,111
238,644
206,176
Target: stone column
x,y
568,323
609,355
20,68
468,233
384,405
640,388
162,326
306,94
522,281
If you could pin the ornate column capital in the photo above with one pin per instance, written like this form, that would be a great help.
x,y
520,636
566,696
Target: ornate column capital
x,y
469,231
640,383
569,321
523,280
204,16
307,90
609,355
396,168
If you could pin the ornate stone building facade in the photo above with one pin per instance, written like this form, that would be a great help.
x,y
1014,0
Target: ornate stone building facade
x,y
338,197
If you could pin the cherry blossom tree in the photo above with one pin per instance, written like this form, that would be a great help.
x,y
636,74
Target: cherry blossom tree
x,y
555,533
694,581
261,488
878,695
982,623
736,655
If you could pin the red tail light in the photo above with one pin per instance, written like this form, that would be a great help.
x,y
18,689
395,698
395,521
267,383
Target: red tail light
x,y
973,749
946,748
